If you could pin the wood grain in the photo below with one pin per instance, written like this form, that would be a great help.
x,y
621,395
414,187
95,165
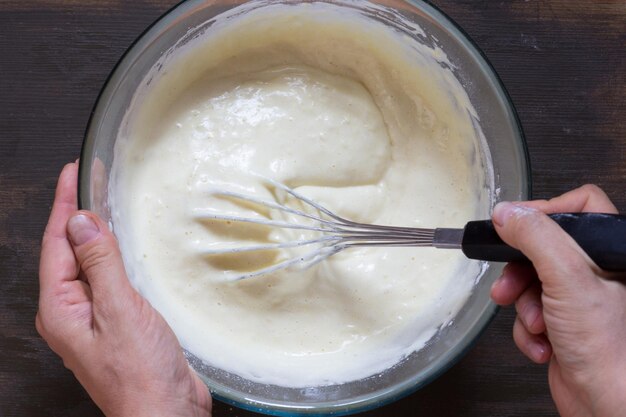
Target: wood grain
x,y
563,62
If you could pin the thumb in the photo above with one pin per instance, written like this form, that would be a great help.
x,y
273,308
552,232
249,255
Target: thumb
x,y
559,261
100,260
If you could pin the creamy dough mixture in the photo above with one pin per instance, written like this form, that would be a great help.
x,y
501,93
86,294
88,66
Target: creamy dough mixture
x,y
340,109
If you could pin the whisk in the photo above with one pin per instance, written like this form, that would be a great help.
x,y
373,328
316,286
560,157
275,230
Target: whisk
x,y
601,236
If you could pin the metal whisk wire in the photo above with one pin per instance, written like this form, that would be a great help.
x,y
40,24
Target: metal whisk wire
x,y
336,233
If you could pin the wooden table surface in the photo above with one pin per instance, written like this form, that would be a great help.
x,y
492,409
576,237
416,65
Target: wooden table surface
x,y
563,62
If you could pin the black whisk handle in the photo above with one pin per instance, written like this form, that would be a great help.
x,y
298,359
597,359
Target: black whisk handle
x,y
601,236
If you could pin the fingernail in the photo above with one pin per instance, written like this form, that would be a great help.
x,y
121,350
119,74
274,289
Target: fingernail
x,y
82,229
497,282
530,315
503,211
538,349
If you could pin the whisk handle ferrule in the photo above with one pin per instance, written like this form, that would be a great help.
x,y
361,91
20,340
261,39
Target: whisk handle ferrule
x,y
601,236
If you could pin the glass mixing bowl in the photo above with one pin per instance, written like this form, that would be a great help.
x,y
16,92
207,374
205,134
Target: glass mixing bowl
x,y
504,139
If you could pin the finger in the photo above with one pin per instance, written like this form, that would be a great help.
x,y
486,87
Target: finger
x,y
515,278
100,260
530,310
535,346
560,263
68,316
58,264
588,198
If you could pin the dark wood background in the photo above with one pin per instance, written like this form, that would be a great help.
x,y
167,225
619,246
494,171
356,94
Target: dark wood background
x,y
563,62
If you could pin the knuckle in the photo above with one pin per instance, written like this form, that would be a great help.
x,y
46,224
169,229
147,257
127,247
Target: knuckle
x,y
528,222
56,332
45,327
593,191
518,333
96,257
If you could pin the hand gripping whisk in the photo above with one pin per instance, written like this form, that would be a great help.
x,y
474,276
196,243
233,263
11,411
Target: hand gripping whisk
x,y
601,236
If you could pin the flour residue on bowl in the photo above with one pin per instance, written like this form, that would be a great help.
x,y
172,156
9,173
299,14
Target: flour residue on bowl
x,y
350,114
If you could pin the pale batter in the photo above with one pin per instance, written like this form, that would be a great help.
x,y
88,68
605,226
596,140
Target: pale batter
x,y
339,109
